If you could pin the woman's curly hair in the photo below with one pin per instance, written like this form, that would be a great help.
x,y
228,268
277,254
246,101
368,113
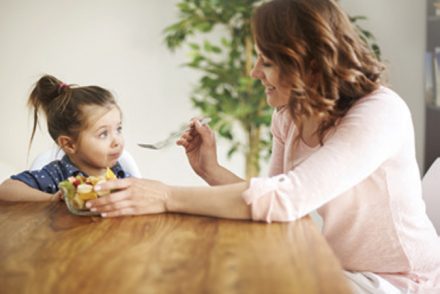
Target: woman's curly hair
x,y
320,55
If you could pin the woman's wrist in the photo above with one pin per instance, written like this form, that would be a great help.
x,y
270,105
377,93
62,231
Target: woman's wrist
x,y
173,199
221,176
210,174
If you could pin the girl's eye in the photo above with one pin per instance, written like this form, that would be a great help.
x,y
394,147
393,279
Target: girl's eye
x,y
103,135
120,129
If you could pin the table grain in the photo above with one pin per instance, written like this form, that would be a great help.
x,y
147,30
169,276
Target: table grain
x,y
45,249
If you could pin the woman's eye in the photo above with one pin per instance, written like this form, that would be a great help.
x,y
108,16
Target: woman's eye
x,y
266,64
120,129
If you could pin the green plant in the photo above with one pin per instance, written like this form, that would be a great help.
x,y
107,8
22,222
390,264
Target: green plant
x,y
226,92
366,35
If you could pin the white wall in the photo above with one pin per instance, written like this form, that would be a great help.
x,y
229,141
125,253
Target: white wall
x,y
400,30
118,44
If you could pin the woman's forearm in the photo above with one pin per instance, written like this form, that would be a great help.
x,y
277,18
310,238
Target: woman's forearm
x,y
13,190
222,201
221,176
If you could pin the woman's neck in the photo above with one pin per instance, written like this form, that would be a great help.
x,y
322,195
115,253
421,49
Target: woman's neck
x,y
309,131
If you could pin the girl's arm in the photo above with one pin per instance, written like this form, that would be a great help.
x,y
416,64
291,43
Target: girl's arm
x,y
14,190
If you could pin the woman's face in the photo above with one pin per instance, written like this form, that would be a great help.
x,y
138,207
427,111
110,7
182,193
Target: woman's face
x,y
268,73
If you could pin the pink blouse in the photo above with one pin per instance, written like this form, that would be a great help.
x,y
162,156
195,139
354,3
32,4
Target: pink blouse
x,y
365,183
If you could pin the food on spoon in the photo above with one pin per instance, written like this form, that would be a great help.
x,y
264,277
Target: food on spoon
x,y
79,189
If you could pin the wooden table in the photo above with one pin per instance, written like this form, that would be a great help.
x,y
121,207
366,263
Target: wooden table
x,y
44,249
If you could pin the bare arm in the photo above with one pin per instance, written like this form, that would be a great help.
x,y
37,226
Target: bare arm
x,y
219,201
140,196
221,176
13,190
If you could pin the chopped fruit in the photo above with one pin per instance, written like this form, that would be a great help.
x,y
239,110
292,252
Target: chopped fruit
x,y
88,196
102,192
80,189
109,175
84,188
75,181
85,192
92,180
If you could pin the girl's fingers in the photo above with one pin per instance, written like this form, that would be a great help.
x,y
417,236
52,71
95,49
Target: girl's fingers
x,y
57,196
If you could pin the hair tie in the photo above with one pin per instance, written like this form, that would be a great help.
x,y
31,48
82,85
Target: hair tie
x,y
61,87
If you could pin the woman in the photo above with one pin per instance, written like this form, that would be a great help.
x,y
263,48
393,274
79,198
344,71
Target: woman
x,y
343,144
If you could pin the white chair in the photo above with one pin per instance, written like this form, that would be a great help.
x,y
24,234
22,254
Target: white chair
x,y
126,160
431,193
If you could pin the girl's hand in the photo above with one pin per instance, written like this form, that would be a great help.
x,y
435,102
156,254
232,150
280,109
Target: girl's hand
x,y
57,196
200,147
132,196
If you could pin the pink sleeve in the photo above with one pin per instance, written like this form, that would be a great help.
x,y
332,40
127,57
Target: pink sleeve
x,y
370,133
276,160
270,200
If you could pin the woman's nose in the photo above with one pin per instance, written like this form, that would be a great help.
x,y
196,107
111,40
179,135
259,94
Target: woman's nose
x,y
256,72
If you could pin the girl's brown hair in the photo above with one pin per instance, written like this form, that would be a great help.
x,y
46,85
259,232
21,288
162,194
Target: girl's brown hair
x,y
319,55
63,104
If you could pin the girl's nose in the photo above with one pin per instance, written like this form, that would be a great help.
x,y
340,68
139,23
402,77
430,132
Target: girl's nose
x,y
115,143
117,140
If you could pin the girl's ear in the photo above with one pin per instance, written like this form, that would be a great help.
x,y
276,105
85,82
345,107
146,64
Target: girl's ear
x,y
67,144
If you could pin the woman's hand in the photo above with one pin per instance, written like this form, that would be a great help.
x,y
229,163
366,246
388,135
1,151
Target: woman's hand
x,y
132,196
200,147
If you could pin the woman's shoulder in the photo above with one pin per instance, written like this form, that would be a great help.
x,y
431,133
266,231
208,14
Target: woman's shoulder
x,y
382,100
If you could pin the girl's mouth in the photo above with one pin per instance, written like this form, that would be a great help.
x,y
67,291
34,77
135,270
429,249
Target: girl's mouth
x,y
115,155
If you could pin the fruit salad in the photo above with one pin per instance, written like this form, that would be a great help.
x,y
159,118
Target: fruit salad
x,y
79,189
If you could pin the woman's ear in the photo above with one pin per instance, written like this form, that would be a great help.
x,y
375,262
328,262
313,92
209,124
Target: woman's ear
x,y
67,144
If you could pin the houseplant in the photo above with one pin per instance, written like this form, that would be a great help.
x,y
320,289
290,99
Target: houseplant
x,y
226,92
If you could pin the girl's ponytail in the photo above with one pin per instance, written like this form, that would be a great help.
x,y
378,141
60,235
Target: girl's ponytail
x,y
49,94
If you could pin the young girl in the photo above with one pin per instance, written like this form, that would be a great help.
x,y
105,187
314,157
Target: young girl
x,y
342,144
86,123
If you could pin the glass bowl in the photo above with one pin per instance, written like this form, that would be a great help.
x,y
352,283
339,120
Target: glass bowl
x,y
72,209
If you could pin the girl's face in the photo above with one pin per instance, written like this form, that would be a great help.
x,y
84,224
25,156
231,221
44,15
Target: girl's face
x,y
101,143
268,73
